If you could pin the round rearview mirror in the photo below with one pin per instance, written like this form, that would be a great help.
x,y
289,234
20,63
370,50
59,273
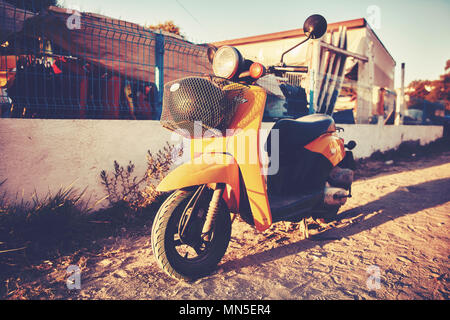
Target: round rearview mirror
x,y
315,26
211,51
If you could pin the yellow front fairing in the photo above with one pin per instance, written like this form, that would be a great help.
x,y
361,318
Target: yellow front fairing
x,y
241,143
205,170
244,145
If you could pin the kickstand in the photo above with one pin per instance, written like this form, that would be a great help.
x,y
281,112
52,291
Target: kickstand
x,y
305,228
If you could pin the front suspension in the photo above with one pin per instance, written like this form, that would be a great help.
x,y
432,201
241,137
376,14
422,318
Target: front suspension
x,y
213,211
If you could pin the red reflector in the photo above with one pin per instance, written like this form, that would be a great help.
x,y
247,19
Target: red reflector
x,y
256,70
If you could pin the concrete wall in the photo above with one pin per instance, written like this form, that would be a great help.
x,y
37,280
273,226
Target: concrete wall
x,y
45,155
372,138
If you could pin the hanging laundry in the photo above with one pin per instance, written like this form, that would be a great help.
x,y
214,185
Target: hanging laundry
x,y
139,97
110,87
72,75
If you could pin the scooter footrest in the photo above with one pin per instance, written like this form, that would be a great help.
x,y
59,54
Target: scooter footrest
x,y
285,208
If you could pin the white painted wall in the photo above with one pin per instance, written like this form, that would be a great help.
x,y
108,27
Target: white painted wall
x,y
372,138
45,155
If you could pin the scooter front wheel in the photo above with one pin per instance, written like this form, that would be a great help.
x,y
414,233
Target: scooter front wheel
x,y
183,252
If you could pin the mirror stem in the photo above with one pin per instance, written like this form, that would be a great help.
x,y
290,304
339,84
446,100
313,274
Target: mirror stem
x,y
282,56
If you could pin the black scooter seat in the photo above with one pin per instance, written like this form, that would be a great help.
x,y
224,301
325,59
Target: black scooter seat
x,y
299,132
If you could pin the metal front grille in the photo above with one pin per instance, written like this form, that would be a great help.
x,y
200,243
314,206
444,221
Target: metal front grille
x,y
194,105
294,79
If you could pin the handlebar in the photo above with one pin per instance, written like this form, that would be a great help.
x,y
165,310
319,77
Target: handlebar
x,y
299,69
257,70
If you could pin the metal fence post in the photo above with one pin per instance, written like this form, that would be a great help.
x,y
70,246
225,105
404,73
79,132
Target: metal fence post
x,y
373,89
314,76
159,72
365,86
400,105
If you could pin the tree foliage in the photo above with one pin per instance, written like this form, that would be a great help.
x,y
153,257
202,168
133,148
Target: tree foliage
x,y
433,90
168,26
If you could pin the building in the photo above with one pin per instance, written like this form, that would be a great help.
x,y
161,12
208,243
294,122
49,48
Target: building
x,y
368,68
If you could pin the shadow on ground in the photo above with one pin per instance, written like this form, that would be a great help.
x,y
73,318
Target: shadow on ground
x,y
389,207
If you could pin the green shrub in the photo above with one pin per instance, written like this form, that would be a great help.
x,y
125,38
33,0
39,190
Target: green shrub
x,y
123,188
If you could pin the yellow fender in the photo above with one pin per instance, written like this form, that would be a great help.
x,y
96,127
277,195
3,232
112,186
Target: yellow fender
x,y
200,171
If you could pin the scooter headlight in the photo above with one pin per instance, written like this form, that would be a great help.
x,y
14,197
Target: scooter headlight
x,y
226,62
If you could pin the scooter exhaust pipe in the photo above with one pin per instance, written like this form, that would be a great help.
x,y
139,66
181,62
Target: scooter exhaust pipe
x,y
335,196
341,177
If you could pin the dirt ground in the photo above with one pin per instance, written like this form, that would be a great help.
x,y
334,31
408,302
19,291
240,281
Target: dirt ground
x,y
391,242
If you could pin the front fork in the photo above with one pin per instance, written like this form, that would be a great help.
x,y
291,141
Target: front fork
x,y
188,228
213,211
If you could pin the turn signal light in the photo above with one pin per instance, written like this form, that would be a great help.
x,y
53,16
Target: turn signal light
x,y
257,70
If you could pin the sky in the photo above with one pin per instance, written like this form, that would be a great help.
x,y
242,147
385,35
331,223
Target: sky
x,y
414,32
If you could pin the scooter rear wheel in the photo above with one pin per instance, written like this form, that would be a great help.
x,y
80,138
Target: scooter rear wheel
x,y
188,260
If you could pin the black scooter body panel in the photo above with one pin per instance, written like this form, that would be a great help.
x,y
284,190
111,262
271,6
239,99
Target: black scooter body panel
x,y
295,190
297,187
299,183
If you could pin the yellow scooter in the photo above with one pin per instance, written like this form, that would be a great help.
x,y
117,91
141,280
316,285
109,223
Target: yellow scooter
x,y
222,115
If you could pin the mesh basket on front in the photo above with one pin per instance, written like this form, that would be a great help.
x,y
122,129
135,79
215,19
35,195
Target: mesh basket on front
x,y
196,104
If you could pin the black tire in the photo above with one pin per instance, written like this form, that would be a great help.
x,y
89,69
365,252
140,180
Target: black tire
x,y
164,244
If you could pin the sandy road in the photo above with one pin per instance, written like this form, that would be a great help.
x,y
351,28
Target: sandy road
x,y
392,242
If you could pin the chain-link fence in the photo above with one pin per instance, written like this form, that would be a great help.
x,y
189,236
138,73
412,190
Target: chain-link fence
x,y
60,63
